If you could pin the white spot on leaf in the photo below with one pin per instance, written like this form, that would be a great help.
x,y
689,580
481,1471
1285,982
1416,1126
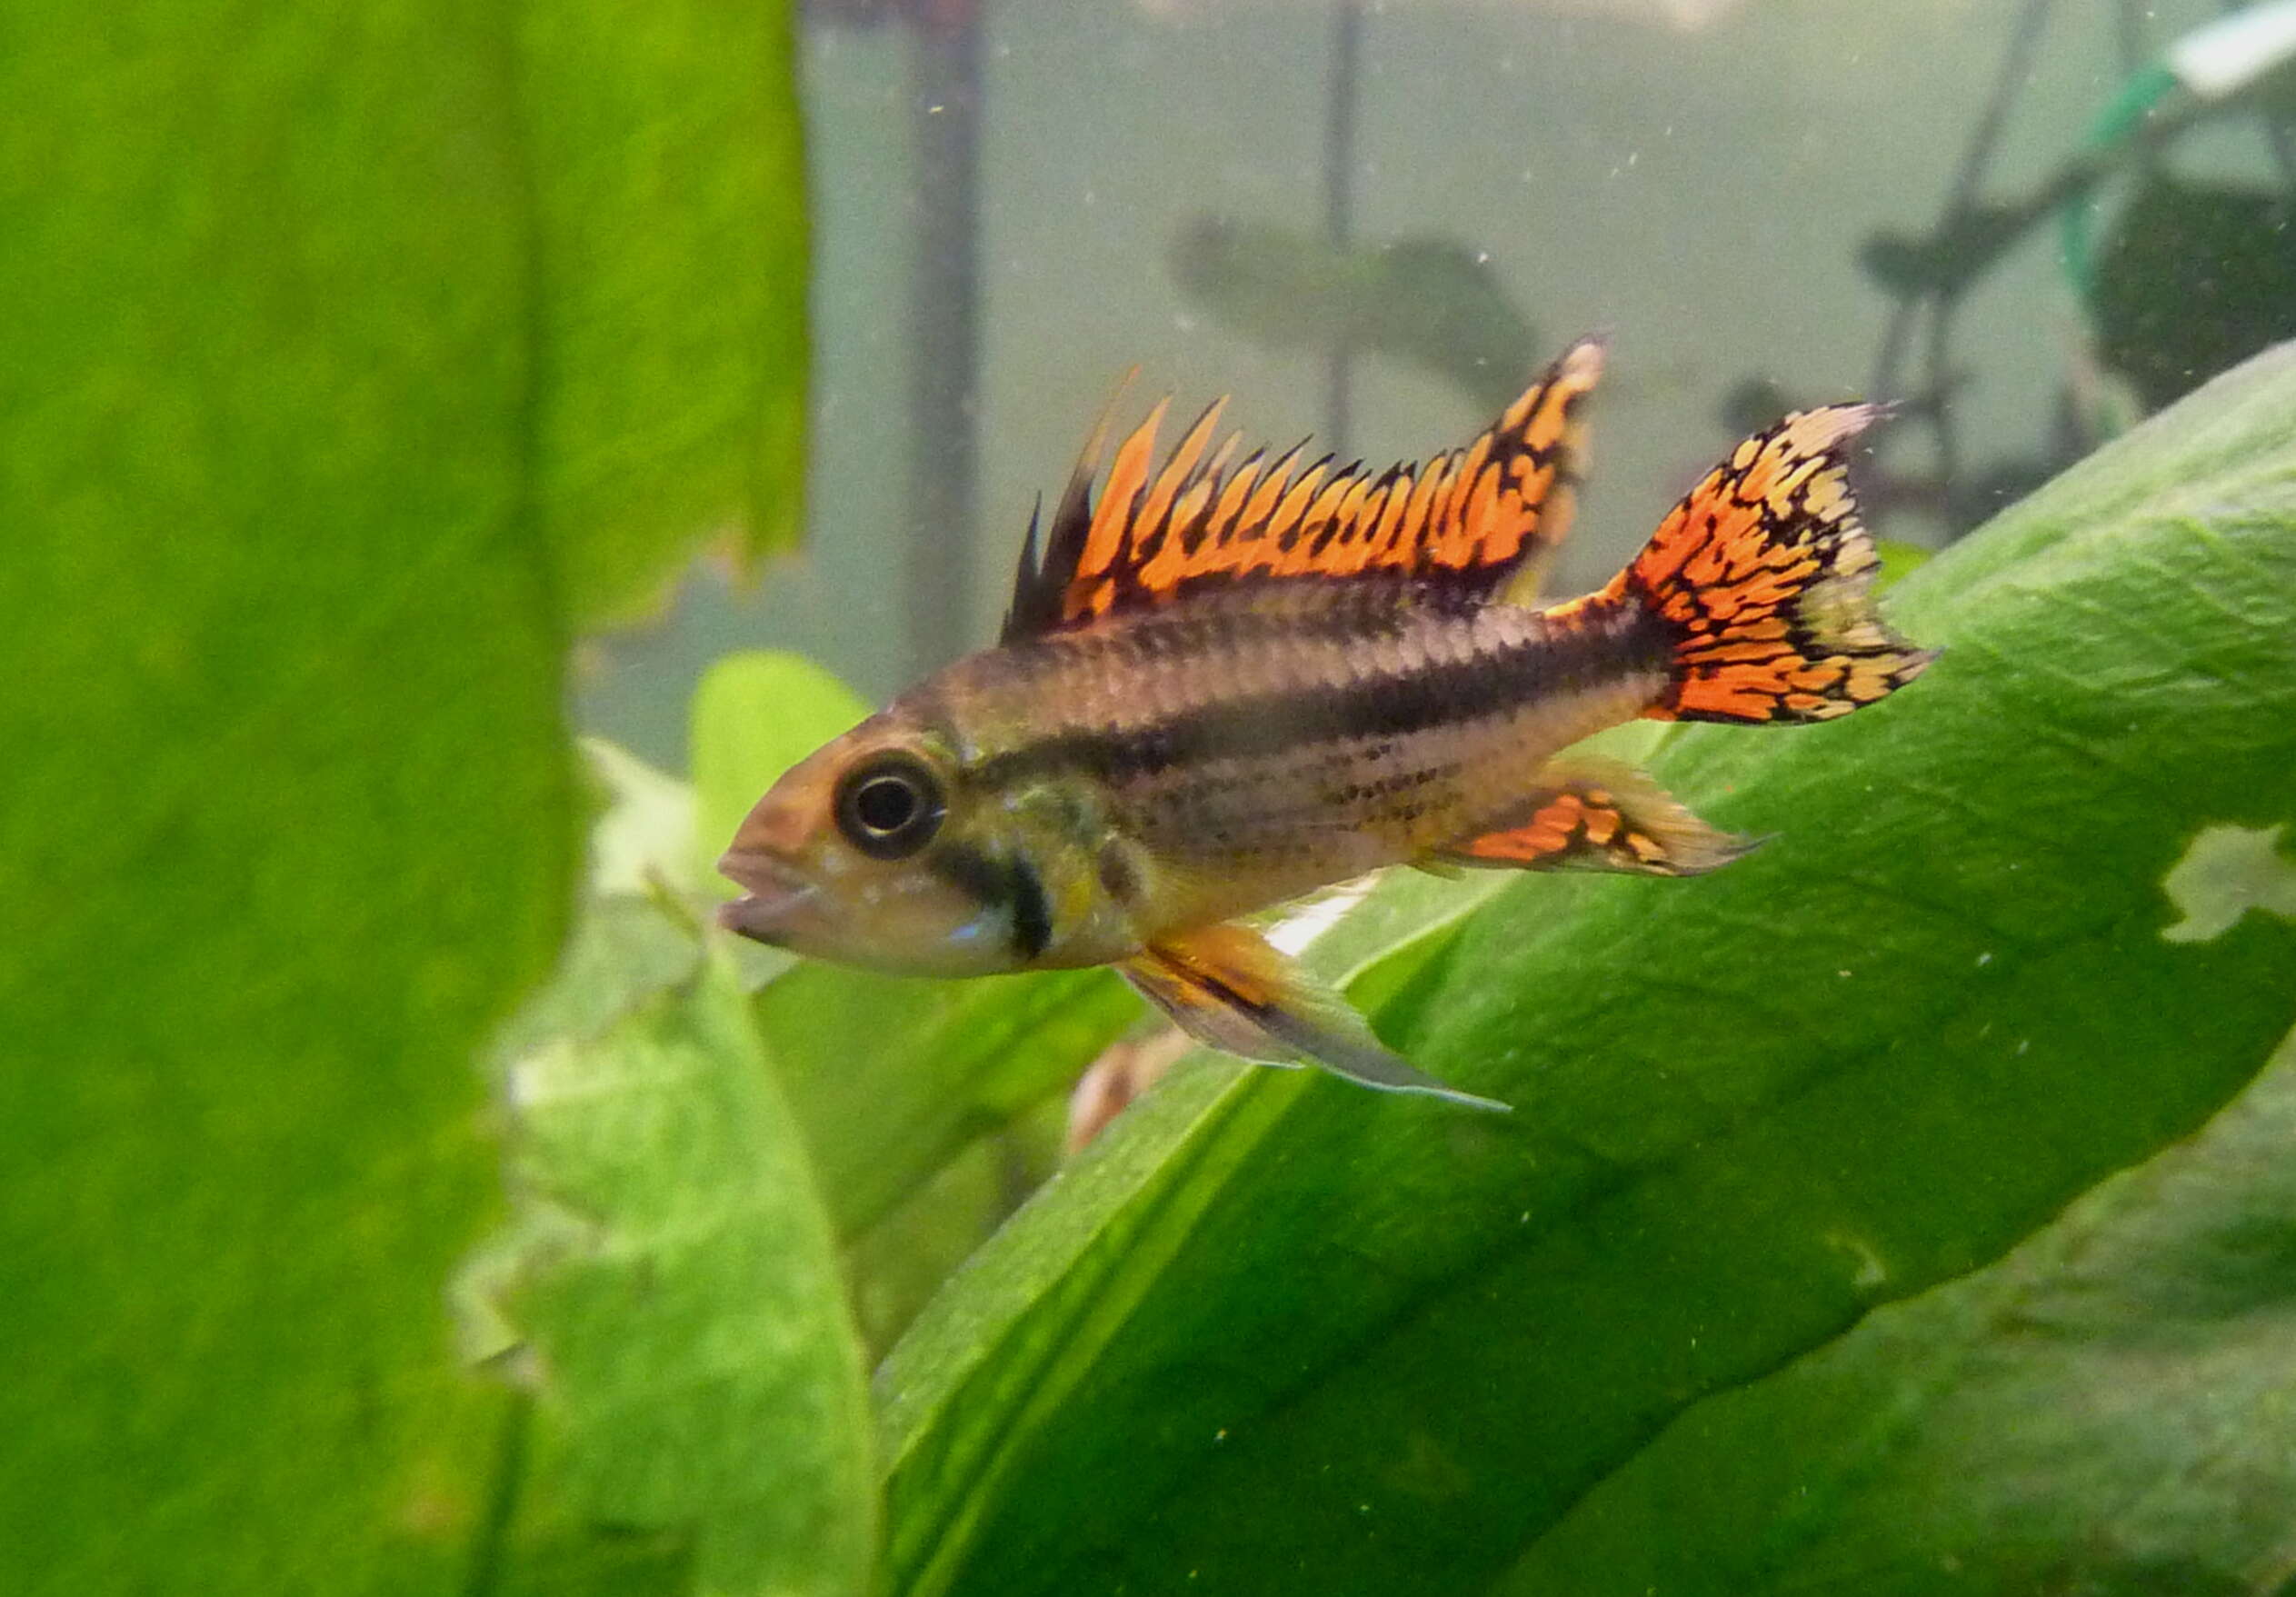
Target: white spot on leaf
x,y
2227,872
1873,1271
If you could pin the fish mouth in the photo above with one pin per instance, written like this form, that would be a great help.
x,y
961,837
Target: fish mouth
x,y
776,892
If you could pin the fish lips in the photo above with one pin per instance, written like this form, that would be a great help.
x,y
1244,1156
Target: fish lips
x,y
777,894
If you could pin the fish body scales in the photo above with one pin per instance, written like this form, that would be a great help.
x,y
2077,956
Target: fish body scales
x,y
1261,747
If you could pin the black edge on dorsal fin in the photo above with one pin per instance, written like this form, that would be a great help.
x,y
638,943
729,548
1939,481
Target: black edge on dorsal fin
x,y
1041,581
1022,616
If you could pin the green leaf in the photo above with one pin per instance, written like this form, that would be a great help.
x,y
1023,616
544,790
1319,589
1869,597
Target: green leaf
x,y
1279,1334
301,500
664,283
756,715
669,1290
668,1287
2106,1410
893,1077
1899,560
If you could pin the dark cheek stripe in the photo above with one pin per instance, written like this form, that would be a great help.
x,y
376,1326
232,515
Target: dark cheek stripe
x,y
1032,915
1008,882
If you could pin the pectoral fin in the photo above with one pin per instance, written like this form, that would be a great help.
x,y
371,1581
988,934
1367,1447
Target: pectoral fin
x,y
1226,986
1590,814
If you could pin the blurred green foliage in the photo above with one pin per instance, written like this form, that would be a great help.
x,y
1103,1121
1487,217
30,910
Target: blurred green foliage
x,y
1433,303
2193,278
354,356
669,1291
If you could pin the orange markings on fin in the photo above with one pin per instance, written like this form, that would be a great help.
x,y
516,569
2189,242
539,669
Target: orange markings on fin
x,y
1478,518
1126,477
1589,814
1764,574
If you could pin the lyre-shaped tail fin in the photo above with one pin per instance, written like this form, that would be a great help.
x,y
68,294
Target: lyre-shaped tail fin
x,y
1761,581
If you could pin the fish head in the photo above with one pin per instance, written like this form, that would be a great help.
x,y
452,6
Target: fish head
x,y
863,854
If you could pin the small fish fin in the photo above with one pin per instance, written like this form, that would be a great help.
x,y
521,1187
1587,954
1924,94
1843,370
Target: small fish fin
x,y
1470,519
1227,987
1040,583
1594,814
1762,576
1538,454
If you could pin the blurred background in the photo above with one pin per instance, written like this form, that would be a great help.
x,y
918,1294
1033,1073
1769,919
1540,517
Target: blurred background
x,y
1760,202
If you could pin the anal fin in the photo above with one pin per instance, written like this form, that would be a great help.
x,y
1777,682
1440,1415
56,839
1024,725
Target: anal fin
x,y
1592,814
1227,987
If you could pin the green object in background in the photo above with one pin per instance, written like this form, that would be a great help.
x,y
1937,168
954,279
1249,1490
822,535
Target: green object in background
x,y
1433,301
2193,278
1898,560
669,1291
1276,1335
893,1075
756,715
326,328
2107,1410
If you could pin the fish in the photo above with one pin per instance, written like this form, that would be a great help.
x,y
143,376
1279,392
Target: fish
x,y
1224,684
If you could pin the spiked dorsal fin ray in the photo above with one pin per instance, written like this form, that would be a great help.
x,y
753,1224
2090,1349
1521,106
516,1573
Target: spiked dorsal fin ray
x,y
1040,581
1477,519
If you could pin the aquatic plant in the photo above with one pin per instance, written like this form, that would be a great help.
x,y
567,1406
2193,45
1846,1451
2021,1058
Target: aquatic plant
x,y
1905,1206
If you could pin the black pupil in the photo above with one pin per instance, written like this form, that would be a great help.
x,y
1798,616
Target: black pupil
x,y
890,809
885,804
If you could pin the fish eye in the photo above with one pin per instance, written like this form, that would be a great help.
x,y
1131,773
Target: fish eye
x,y
891,806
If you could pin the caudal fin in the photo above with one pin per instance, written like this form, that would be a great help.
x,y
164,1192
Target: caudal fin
x,y
1764,576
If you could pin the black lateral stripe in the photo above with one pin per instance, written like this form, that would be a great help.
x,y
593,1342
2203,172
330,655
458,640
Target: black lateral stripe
x,y
1010,883
1031,914
1431,694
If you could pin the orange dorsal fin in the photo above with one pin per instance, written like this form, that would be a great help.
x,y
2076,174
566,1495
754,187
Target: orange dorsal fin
x,y
1469,519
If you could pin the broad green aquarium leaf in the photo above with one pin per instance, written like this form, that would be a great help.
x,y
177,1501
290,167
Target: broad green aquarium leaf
x,y
1273,1333
307,478
664,235
668,1291
2106,1410
893,1077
